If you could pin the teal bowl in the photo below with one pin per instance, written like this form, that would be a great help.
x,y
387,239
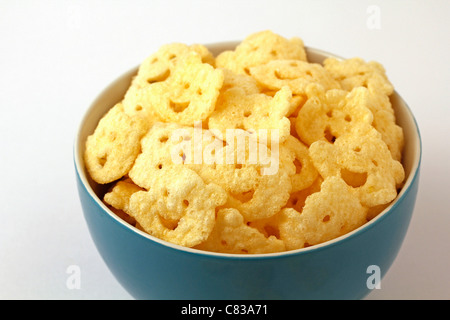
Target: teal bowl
x,y
348,267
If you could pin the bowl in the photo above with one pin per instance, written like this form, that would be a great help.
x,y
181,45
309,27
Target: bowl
x,y
348,267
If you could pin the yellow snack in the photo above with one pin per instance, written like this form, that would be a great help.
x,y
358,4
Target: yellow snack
x,y
260,48
362,159
255,189
114,145
136,103
119,196
384,121
355,72
238,80
189,94
298,198
333,211
295,74
254,151
327,115
238,110
187,196
148,165
305,172
232,235
158,66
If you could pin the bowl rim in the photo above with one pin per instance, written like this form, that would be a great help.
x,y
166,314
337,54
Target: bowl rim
x,y
408,182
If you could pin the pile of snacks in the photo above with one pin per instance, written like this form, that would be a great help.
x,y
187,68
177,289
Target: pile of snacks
x,y
255,150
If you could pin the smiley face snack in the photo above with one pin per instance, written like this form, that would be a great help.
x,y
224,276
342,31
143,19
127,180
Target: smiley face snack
x,y
253,150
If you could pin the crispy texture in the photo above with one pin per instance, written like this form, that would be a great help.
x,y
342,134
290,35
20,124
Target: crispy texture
x,y
185,198
295,74
260,48
305,172
189,94
158,66
232,235
120,194
332,212
356,72
238,80
384,121
136,103
113,147
255,189
238,110
148,166
327,115
253,151
364,161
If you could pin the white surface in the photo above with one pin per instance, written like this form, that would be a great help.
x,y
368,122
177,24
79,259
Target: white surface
x,y
55,57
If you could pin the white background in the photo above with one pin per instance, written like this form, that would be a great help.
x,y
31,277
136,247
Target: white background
x,y
56,56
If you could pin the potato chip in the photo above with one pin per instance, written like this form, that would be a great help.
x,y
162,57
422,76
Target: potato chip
x,y
327,115
231,168
362,159
246,181
136,103
114,145
256,189
384,121
305,173
355,72
391,132
269,196
159,66
119,196
237,110
260,48
254,151
296,103
189,94
175,192
186,195
290,229
297,199
243,81
285,226
295,74
232,235
333,211
148,165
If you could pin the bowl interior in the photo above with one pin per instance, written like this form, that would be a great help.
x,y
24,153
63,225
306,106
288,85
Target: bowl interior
x,y
116,90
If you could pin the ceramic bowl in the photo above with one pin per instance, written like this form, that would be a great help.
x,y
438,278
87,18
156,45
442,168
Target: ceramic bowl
x,y
343,268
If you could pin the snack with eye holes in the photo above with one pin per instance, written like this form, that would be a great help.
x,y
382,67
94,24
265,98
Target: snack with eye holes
x,y
363,160
236,109
355,72
255,150
232,235
183,197
260,48
328,114
295,74
189,94
113,147
159,66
